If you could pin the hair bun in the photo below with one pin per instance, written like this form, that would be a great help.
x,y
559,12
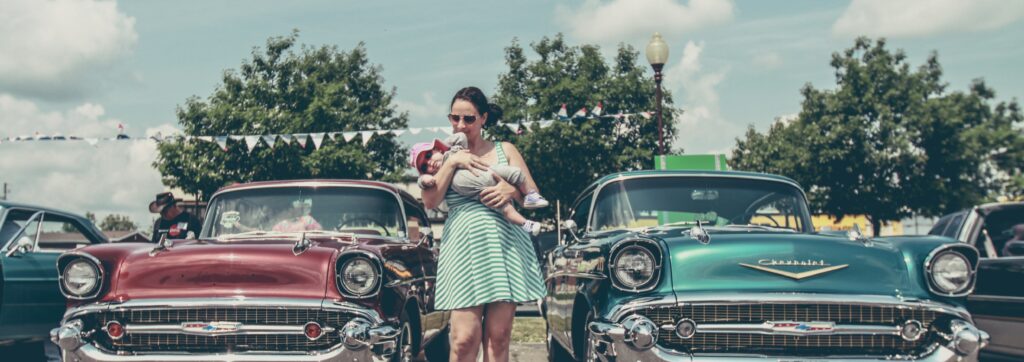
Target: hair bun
x,y
494,113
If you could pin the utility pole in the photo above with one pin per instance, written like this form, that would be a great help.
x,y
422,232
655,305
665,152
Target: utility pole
x,y
6,190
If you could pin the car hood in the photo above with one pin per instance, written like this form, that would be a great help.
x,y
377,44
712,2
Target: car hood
x,y
197,269
785,262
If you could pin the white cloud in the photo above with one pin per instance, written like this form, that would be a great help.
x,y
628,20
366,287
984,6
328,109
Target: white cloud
x,y
426,112
112,177
911,18
767,60
701,129
635,20
51,47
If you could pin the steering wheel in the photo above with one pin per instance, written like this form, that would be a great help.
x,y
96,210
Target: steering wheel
x,y
344,224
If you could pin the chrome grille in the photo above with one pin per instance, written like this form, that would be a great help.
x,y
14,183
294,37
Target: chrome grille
x,y
811,345
224,343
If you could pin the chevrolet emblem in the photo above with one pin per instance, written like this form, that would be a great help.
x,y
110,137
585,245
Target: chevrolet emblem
x,y
800,275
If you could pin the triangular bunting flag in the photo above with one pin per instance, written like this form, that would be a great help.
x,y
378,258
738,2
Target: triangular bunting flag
x,y
434,129
92,141
287,138
598,110
235,138
366,136
348,136
512,126
318,138
301,138
545,124
646,115
251,141
205,138
222,141
334,136
270,140
562,113
383,132
415,130
582,113
397,132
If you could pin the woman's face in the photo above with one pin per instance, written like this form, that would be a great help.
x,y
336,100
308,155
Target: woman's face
x,y
463,108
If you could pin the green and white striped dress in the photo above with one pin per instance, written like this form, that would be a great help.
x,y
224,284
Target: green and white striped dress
x,y
484,258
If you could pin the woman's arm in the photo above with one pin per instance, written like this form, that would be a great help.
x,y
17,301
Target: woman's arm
x,y
496,196
432,196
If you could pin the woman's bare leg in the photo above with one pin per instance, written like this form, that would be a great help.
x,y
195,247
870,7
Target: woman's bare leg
x,y
498,318
466,333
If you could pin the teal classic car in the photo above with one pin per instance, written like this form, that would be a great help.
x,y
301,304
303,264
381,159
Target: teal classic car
x,y
726,266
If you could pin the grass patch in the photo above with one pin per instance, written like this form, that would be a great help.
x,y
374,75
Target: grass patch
x,y
528,330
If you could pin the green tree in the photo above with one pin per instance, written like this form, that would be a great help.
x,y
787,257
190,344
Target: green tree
x,y
283,90
114,222
567,156
888,141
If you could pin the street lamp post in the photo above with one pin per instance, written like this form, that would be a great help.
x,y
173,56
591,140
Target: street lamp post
x,y
657,55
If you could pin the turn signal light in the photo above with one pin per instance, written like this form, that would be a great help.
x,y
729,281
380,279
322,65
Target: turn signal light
x,y
313,331
115,330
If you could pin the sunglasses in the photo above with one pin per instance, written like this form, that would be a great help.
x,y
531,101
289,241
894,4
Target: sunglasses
x,y
455,118
426,156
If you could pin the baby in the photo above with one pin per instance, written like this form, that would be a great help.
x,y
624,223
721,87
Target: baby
x,y
428,157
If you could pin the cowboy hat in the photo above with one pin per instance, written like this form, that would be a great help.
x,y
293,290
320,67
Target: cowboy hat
x,y
163,200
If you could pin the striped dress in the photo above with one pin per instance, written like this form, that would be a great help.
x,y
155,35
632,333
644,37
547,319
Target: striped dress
x,y
484,258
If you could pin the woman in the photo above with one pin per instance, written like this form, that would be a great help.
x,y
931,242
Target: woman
x,y
486,264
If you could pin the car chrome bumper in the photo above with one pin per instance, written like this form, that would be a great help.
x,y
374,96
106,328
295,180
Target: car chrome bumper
x,y
615,342
365,338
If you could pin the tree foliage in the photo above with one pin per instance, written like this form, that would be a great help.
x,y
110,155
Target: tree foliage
x,y
889,141
114,222
567,156
283,90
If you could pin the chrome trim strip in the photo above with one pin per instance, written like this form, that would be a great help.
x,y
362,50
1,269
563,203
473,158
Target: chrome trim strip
x,y
599,188
995,298
242,330
948,248
193,303
313,184
594,276
60,275
766,328
620,311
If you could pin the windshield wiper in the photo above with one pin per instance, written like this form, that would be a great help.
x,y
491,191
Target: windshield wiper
x,y
756,226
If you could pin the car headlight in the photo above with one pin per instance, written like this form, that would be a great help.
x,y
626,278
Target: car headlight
x,y
634,267
358,276
950,272
81,277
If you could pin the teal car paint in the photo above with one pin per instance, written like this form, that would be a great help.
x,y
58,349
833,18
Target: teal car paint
x,y
706,265
31,302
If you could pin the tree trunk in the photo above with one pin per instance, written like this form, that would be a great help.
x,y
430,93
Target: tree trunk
x,y
876,226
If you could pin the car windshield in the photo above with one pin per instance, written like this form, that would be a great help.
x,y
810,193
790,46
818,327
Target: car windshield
x,y
276,210
718,202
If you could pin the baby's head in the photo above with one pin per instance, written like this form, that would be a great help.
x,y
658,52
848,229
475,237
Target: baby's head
x,y
427,157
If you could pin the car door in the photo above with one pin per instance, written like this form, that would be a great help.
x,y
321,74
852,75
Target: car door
x,y
32,302
997,303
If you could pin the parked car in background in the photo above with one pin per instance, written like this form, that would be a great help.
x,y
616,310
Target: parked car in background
x,y
998,300
319,270
32,237
725,266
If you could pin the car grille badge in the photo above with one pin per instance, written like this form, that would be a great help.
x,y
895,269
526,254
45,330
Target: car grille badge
x,y
211,328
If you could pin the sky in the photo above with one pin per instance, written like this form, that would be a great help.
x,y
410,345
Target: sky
x,y
83,67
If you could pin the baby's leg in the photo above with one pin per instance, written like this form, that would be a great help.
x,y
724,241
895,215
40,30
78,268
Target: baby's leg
x,y
516,176
512,215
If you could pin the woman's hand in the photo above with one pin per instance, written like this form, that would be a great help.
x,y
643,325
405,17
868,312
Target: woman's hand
x,y
498,195
468,161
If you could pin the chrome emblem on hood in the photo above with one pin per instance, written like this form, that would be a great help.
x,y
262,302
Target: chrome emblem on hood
x,y
824,267
211,328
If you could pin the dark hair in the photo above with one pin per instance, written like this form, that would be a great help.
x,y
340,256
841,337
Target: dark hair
x,y
476,96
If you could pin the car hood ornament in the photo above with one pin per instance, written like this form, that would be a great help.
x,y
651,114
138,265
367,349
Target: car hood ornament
x,y
771,266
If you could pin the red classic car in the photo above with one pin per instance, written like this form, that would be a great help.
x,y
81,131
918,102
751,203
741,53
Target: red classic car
x,y
319,270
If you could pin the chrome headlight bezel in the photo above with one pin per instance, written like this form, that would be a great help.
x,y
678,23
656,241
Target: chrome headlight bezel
x,y
64,264
967,253
350,260
642,247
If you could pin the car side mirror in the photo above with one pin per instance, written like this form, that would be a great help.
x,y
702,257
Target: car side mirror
x,y
24,245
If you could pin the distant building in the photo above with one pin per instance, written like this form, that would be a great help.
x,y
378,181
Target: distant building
x,y
127,236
